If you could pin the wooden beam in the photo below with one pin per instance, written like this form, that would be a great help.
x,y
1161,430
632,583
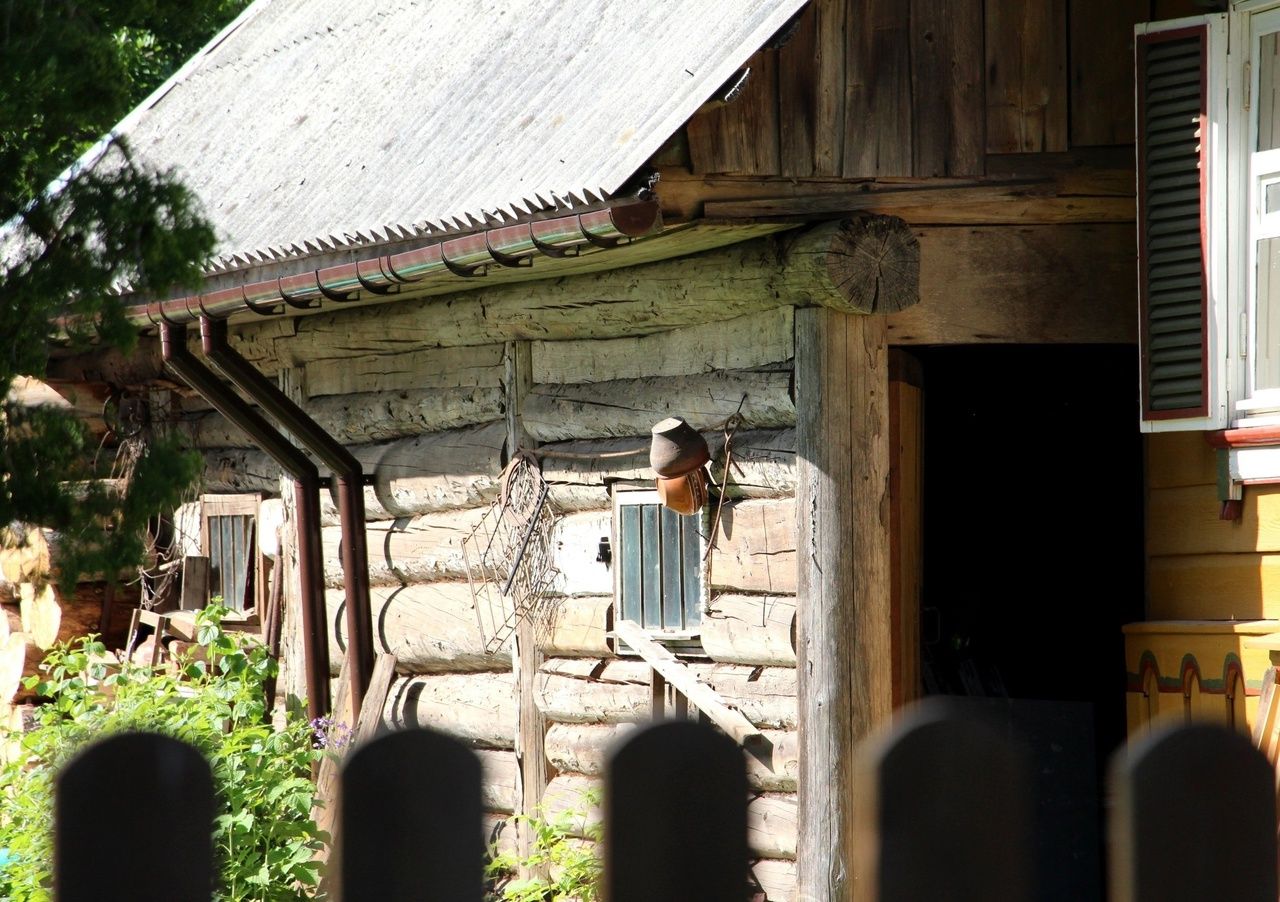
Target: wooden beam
x,y
844,642
684,680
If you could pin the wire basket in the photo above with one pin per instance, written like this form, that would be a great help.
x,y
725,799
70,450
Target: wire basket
x,y
508,557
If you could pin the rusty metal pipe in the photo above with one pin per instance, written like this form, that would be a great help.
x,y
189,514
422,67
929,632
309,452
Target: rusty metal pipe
x,y
173,344
350,492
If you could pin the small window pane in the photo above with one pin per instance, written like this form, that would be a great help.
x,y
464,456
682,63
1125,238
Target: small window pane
x,y
629,539
1267,337
672,572
650,567
1268,92
692,572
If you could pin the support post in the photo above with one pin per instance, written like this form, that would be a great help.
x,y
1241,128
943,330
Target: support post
x,y
531,753
844,642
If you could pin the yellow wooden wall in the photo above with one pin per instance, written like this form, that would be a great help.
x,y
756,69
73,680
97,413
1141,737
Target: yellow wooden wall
x,y
1201,567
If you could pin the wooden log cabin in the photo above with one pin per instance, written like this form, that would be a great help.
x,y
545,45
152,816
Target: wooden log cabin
x,y
890,244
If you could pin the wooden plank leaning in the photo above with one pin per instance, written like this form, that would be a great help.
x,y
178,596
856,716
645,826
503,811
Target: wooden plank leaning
x,y
684,680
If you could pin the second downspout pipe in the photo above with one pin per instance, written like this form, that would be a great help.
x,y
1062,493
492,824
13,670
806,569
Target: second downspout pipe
x,y
173,344
349,478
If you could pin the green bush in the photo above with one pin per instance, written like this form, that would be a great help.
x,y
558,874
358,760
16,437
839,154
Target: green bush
x,y
571,867
264,836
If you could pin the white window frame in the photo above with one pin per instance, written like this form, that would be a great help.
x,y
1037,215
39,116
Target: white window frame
x,y
624,496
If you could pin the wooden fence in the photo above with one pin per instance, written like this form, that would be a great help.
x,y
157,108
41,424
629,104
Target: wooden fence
x,y
944,813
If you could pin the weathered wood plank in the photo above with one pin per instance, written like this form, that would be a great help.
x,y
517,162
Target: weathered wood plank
x,y
844,643
365,417
498,787
686,682
1102,69
629,407
948,103
751,629
797,96
1017,206
478,708
584,749
1186,521
1244,586
906,482
829,101
579,628
878,103
1032,284
765,468
422,789
1026,59
977,784
1195,775
749,341
742,135
587,691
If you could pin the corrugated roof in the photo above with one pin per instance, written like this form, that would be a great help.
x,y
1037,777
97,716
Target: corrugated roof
x,y
315,124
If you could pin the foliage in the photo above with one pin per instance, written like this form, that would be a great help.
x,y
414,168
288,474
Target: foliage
x,y
70,69
572,868
263,833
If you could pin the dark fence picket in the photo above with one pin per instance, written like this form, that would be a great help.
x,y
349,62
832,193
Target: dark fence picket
x,y
944,812
133,820
410,816
676,817
1193,817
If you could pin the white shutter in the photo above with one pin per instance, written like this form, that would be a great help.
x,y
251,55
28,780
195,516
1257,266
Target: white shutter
x,y
1181,81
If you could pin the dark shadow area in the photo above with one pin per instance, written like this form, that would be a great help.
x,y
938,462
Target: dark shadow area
x,y
1033,559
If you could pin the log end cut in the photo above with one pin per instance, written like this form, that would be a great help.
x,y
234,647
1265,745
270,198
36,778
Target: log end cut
x,y
873,265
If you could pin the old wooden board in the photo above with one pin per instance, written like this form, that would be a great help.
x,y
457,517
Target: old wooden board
x,y
1102,69
1026,65
948,103
877,97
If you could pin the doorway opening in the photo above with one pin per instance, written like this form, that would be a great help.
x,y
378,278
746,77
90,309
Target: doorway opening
x,y
1033,560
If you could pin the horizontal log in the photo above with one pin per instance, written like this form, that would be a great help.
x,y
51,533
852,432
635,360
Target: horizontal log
x,y
589,691
408,550
777,877
430,628
765,468
420,369
365,417
578,627
498,779
628,407
743,343
477,708
751,629
1186,520
432,472
771,818
584,749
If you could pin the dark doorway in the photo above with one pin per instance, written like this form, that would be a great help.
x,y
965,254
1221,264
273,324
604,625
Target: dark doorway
x,y
1033,559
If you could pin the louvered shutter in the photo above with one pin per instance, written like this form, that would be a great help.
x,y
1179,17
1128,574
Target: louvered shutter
x,y
1179,138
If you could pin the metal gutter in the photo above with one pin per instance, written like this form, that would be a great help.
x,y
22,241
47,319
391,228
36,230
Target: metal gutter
x,y
350,493
463,256
173,343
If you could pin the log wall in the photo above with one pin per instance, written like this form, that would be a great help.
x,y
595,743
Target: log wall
x,y
431,427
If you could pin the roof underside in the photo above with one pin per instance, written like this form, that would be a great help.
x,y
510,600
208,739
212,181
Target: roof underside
x,y
312,125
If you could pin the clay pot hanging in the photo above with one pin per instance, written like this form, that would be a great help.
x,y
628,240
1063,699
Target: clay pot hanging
x,y
678,454
677,448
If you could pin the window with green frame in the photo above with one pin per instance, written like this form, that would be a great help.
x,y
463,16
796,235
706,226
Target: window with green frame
x,y
658,566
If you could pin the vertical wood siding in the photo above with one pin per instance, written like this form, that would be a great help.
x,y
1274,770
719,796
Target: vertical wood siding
x,y
930,88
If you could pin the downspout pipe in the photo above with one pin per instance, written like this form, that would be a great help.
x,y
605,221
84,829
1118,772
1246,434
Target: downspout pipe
x,y
349,478
173,344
